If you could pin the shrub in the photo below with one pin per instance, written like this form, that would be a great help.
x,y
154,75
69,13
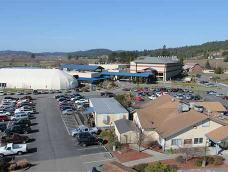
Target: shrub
x,y
159,167
198,162
218,160
12,167
140,167
210,160
180,159
22,163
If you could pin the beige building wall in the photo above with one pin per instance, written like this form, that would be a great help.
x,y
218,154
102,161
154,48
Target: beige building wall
x,y
196,132
100,118
128,137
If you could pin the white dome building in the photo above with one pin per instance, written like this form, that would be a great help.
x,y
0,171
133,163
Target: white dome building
x,y
36,78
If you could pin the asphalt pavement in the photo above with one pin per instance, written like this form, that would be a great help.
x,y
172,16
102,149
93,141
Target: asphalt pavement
x,y
53,149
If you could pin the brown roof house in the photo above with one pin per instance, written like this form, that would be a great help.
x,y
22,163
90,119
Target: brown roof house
x,y
193,68
174,124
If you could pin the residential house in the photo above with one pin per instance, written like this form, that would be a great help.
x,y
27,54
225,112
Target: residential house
x,y
173,127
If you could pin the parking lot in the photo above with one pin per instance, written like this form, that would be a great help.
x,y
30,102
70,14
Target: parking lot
x,y
53,149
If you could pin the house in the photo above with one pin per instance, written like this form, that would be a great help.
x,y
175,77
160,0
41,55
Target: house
x,y
174,127
106,111
126,131
164,67
193,68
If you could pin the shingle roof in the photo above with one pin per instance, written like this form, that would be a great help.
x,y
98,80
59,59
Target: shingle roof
x,y
213,106
107,106
156,60
219,134
79,67
163,116
124,125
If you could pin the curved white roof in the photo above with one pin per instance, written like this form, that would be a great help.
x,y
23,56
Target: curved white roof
x,y
36,78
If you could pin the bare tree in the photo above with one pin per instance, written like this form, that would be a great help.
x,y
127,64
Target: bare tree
x,y
139,137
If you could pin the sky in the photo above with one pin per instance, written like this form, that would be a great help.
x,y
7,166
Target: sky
x,y
72,25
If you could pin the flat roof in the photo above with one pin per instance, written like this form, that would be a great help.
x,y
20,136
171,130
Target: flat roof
x,y
79,67
107,106
157,60
145,74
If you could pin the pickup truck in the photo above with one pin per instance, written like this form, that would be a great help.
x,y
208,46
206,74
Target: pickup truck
x,y
83,129
86,139
12,149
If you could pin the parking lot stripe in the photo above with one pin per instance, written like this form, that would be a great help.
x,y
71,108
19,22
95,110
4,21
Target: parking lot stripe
x,y
65,126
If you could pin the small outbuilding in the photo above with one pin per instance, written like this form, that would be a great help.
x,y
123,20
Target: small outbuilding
x,y
36,78
126,131
106,111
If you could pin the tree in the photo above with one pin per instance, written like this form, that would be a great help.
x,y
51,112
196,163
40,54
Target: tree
x,y
139,137
33,56
165,52
159,167
69,57
218,70
181,60
207,65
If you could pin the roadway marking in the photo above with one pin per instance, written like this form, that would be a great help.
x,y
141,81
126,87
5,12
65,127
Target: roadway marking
x,y
65,125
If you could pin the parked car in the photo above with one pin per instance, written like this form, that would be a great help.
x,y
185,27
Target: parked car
x,y
81,101
14,138
3,126
4,118
67,112
139,98
20,115
24,121
83,129
86,139
152,97
198,108
12,149
20,129
225,97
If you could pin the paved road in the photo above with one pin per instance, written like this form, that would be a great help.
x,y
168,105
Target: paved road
x,y
54,149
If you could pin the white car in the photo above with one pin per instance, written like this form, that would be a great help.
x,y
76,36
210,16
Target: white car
x,y
83,129
67,112
152,97
81,101
12,149
27,111
20,115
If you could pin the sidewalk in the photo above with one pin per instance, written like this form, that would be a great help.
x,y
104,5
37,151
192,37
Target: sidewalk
x,y
155,156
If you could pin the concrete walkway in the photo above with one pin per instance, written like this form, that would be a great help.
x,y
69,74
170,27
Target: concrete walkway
x,y
155,156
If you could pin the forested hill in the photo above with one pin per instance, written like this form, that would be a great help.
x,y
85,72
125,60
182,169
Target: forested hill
x,y
216,48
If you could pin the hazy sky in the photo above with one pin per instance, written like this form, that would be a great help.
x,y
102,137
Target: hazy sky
x,y
71,25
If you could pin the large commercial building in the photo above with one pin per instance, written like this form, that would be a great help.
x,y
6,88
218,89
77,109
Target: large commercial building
x,y
106,111
36,78
165,67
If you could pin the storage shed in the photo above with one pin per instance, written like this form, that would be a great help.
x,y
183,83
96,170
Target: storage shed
x,y
106,111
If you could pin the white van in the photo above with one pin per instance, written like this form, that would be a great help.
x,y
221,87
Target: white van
x,y
20,115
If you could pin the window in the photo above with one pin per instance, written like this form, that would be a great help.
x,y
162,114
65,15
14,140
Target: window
x,y
176,142
206,124
187,141
3,85
198,140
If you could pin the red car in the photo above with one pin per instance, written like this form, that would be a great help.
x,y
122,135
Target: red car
x,y
225,97
139,99
4,118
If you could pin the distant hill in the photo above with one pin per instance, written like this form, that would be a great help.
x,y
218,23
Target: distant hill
x,y
202,51
27,54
